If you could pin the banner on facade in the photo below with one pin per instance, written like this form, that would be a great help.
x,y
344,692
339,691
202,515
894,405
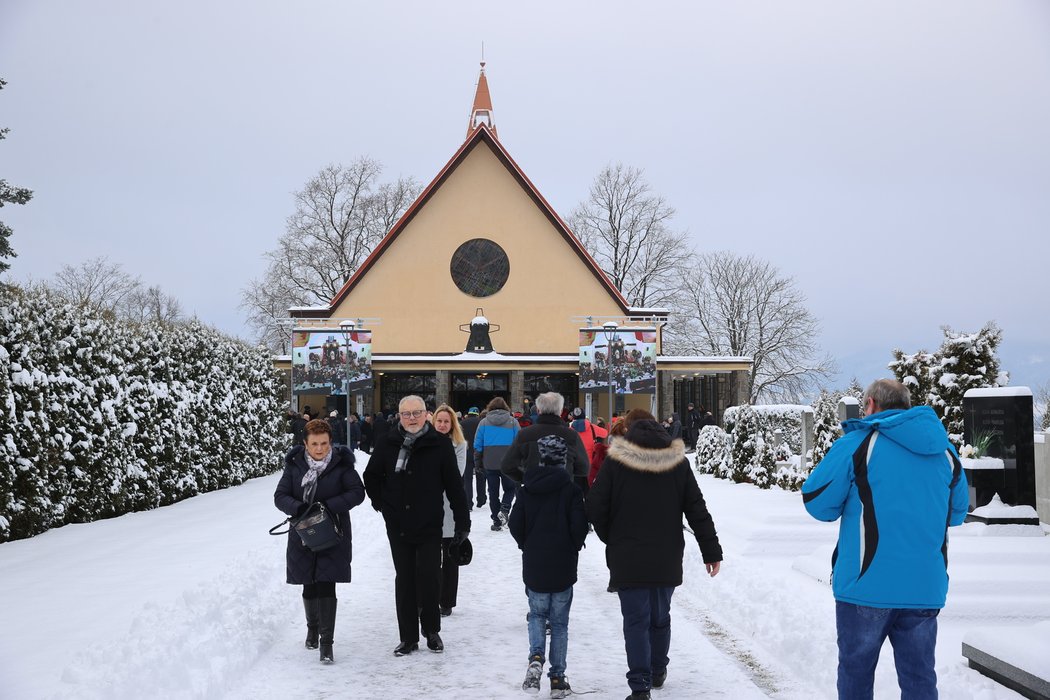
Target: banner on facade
x,y
630,354
329,361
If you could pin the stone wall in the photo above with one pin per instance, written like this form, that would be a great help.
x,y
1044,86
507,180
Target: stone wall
x,y
1042,476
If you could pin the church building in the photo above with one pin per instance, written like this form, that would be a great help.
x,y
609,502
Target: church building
x,y
481,290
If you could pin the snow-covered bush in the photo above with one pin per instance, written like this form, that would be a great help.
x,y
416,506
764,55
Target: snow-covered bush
x,y
826,428
712,451
790,475
965,361
762,472
787,418
744,453
102,416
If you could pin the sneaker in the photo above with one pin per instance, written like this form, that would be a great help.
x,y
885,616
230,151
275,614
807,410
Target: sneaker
x,y
496,527
533,675
502,517
434,643
659,677
560,687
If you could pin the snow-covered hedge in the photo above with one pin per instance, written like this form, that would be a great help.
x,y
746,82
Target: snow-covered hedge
x,y
786,418
712,452
100,416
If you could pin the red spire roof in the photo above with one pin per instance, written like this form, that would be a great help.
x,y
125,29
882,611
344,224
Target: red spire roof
x,y
481,112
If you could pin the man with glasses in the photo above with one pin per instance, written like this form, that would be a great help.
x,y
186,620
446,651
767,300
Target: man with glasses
x,y
410,470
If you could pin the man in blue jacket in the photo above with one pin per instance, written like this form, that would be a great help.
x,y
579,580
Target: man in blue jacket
x,y
897,485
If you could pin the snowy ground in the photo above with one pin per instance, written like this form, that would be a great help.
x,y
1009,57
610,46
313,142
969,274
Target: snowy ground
x,y
188,601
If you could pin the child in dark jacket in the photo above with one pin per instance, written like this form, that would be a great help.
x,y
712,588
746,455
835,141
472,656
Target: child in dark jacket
x,y
549,524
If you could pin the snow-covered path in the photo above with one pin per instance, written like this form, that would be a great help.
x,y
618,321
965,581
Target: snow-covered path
x,y
188,601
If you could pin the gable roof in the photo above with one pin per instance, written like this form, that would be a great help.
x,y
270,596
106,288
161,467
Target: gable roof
x,y
481,135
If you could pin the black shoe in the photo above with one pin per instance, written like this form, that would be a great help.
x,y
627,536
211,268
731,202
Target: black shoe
x,y
659,677
482,501
434,643
560,687
639,695
405,648
496,527
445,612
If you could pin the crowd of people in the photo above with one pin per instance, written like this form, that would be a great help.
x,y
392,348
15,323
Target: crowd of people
x,y
551,477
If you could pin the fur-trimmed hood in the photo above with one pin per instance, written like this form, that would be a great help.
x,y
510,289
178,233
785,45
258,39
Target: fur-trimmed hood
x,y
648,448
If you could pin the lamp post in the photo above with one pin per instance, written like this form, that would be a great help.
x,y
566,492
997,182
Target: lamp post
x,y
347,327
609,329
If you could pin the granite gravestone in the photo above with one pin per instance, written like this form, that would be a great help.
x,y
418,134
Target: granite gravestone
x,y
848,408
1003,417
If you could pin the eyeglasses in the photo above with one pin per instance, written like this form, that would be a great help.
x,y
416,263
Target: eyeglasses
x,y
413,414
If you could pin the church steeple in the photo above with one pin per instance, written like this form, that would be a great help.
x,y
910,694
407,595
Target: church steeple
x,y
481,112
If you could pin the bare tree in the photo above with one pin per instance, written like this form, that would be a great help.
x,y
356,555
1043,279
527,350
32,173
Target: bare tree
x,y
96,285
626,229
151,304
1042,404
340,216
743,306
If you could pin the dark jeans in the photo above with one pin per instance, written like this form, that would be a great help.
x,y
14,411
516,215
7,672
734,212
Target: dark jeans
x,y
495,478
646,632
861,633
449,576
469,477
417,577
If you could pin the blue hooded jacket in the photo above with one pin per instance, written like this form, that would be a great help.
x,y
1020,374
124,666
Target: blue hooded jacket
x,y
895,508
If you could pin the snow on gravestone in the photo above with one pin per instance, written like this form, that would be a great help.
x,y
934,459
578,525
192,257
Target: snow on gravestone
x,y
1004,417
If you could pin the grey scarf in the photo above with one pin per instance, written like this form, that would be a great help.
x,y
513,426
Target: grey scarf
x,y
406,446
317,468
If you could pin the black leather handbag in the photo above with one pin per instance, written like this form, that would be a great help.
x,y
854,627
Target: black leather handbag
x,y
317,528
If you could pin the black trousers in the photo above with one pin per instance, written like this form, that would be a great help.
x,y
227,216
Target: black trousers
x,y
417,580
449,576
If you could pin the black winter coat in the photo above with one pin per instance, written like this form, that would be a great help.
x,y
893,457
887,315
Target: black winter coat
x,y
550,525
340,488
636,504
411,501
469,426
338,426
522,454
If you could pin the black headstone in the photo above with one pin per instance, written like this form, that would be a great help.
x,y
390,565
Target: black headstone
x,y
1005,414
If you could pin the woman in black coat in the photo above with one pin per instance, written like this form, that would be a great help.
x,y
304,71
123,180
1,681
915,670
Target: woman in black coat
x,y
317,471
636,505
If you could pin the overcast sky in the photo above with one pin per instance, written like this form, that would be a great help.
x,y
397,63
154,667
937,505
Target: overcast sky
x,y
893,157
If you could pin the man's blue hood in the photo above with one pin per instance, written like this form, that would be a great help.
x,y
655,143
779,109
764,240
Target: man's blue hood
x,y
917,429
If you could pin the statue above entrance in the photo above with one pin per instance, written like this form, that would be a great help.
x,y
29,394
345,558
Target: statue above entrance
x,y
479,329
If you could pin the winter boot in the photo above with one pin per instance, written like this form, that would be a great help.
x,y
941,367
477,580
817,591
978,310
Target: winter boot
x,y
310,605
326,627
659,677
639,695
560,687
533,675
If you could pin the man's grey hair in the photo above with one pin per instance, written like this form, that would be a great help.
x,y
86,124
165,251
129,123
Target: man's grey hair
x,y
888,394
411,397
550,403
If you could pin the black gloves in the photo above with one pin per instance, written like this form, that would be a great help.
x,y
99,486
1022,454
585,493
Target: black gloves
x,y
460,535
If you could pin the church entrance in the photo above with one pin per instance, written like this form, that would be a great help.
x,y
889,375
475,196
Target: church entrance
x,y
476,390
